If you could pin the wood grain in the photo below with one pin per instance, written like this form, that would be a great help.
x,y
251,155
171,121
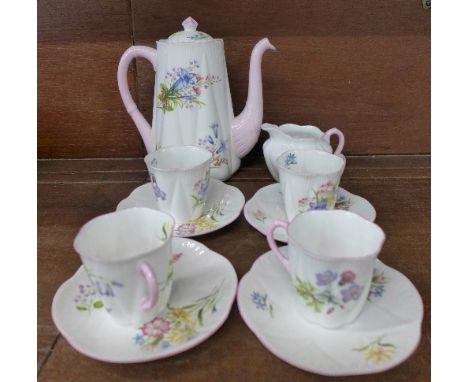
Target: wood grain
x,y
398,187
362,66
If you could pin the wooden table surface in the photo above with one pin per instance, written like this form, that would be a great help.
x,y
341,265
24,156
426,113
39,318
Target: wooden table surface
x,y
70,192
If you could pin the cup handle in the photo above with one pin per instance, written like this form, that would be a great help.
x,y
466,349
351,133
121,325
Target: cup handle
x,y
341,139
272,243
152,282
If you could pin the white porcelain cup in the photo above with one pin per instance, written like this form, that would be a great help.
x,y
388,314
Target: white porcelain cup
x,y
330,258
180,177
127,255
309,180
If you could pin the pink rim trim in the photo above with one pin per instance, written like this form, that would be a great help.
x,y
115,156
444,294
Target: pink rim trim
x,y
272,243
341,139
152,282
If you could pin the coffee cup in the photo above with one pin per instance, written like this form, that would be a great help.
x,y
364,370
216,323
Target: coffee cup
x,y
180,178
330,259
309,180
127,256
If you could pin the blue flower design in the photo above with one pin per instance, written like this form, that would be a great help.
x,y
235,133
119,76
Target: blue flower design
x,y
321,205
291,159
165,344
139,339
259,300
326,278
184,79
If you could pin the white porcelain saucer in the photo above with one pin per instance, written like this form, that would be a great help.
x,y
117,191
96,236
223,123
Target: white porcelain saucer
x,y
267,205
224,205
385,334
202,295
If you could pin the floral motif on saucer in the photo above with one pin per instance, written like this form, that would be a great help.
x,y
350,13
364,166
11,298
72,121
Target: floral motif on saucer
x,y
384,335
224,205
267,205
198,306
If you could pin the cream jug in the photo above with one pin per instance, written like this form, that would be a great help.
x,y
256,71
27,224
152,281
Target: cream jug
x,y
296,137
192,100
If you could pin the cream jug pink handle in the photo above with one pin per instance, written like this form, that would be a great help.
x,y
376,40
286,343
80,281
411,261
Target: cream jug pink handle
x,y
152,284
341,139
272,243
143,126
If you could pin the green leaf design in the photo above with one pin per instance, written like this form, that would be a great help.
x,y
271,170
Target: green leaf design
x,y
80,307
98,304
200,317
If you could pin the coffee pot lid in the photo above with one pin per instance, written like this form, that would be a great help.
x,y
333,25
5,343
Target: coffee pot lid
x,y
190,33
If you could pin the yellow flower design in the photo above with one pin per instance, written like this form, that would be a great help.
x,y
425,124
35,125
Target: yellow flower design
x,y
377,351
379,354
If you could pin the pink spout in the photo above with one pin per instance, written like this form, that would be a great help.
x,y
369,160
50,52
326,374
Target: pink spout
x,y
246,126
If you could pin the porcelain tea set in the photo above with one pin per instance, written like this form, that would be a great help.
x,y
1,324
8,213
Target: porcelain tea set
x,y
145,291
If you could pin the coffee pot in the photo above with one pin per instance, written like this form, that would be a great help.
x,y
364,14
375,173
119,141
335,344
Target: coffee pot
x,y
192,100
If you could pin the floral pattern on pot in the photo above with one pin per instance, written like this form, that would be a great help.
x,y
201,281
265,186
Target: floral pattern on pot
x,y
377,287
183,87
202,224
166,227
178,325
198,36
321,294
324,198
160,194
216,145
89,295
377,351
262,302
260,216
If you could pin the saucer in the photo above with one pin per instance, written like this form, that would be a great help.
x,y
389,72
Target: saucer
x,y
267,205
202,295
385,334
224,205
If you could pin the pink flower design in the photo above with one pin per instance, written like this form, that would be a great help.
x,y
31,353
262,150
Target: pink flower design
x,y
156,328
186,229
347,277
197,90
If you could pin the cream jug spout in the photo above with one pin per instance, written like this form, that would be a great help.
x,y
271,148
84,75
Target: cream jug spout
x,y
246,126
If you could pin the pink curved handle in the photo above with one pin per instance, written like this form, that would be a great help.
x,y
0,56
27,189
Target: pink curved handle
x,y
341,139
152,283
143,126
272,243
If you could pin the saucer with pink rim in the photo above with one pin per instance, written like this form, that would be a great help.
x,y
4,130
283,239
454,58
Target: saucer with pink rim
x,y
267,205
384,335
203,291
224,205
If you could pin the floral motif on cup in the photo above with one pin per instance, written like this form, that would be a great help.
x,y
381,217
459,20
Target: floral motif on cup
x,y
377,351
377,287
262,302
165,229
204,223
216,145
323,199
178,324
90,295
183,87
260,216
170,271
290,159
200,189
322,294
160,194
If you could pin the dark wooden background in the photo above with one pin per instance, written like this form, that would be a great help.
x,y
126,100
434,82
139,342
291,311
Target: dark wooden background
x,y
361,65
